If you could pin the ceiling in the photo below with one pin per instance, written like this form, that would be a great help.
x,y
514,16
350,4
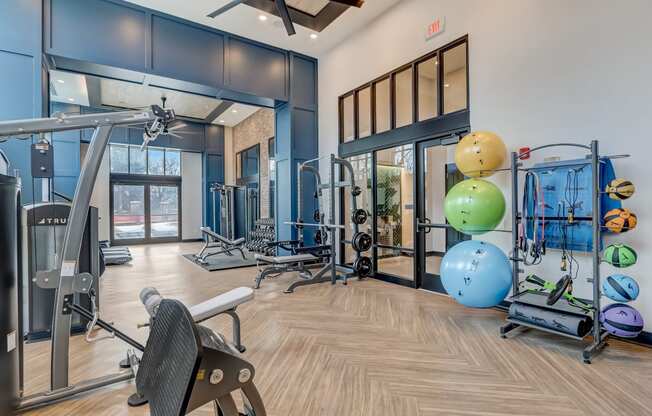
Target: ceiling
x,y
312,7
244,21
236,114
78,89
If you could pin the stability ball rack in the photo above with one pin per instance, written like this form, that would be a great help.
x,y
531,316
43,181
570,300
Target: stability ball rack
x,y
599,336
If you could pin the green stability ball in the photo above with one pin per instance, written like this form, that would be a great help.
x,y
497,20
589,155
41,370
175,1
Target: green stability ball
x,y
474,206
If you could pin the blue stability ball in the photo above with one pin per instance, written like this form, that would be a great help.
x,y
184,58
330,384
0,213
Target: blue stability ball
x,y
477,274
620,288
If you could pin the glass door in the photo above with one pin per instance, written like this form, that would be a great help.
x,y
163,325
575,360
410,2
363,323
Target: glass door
x,y
128,212
164,211
145,212
394,206
437,173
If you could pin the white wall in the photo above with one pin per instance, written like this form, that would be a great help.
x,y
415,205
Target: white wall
x,y
540,72
191,195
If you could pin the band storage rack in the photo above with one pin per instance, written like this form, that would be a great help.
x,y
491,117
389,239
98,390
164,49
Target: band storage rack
x,y
527,297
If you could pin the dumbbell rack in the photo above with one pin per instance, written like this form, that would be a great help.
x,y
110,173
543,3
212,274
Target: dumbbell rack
x,y
260,237
526,297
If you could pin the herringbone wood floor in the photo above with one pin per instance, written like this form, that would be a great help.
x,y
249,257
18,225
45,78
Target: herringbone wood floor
x,y
371,348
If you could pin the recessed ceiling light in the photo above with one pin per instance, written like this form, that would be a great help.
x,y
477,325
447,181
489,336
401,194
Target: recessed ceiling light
x,y
60,81
72,100
447,85
234,111
262,17
221,121
313,36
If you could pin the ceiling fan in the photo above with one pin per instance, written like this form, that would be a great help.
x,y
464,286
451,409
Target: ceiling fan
x,y
171,129
282,9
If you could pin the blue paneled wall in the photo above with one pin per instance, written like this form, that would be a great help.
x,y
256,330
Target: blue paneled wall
x,y
20,80
124,41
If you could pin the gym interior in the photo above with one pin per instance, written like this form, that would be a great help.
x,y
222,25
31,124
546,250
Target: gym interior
x,y
314,207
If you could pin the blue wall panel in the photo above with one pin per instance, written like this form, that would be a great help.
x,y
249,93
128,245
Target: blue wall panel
x,y
17,101
304,127
304,82
186,52
99,31
214,139
17,29
256,69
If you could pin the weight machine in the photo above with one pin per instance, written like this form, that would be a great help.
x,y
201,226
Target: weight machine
x,y
227,209
66,276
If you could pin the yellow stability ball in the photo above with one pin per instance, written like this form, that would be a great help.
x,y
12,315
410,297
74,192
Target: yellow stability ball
x,y
479,153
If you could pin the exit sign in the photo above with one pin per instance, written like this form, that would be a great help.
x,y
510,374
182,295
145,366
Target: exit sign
x,y
436,27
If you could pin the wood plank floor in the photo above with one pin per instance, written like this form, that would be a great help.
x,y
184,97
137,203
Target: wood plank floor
x,y
370,348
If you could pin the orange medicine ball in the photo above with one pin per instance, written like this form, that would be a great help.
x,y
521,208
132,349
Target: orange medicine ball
x,y
620,220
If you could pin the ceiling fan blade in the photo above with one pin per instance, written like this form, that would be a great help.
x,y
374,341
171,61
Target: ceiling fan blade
x,y
352,3
225,8
184,132
285,16
177,126
169,133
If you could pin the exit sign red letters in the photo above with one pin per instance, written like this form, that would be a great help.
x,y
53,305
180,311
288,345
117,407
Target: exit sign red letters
x,y
435,28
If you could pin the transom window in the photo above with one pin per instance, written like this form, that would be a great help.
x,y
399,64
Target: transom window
x,y
154,161
429,87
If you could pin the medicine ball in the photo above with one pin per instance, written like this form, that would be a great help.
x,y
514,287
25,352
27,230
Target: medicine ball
x,y
474,206
620,255
621,320
476,274
620,189
620,288
479,153
620,220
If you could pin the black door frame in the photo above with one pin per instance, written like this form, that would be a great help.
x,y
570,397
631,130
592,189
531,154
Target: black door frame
x,y
423,280
146,181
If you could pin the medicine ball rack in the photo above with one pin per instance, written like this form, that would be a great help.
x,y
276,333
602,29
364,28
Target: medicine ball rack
x,y
528,297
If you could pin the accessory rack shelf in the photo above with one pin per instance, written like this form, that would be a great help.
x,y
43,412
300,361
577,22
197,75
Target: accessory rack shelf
x,y
599,336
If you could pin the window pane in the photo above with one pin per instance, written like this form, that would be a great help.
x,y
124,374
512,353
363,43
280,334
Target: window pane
x,y
173,163
364,112
395,210
155,161
428,81
455,79
347,119
137,161
128,212
119,159
164,215
404,98
383,106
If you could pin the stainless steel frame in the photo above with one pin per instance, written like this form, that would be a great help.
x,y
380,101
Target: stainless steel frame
x,y
155,118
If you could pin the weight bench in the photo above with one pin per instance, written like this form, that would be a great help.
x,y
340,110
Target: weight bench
x,y
301,260
186,365
214,240
225,303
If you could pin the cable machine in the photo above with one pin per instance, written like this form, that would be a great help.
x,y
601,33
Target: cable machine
x,y
66,277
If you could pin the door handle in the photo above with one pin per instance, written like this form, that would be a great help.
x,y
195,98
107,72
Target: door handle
x,y
427,224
